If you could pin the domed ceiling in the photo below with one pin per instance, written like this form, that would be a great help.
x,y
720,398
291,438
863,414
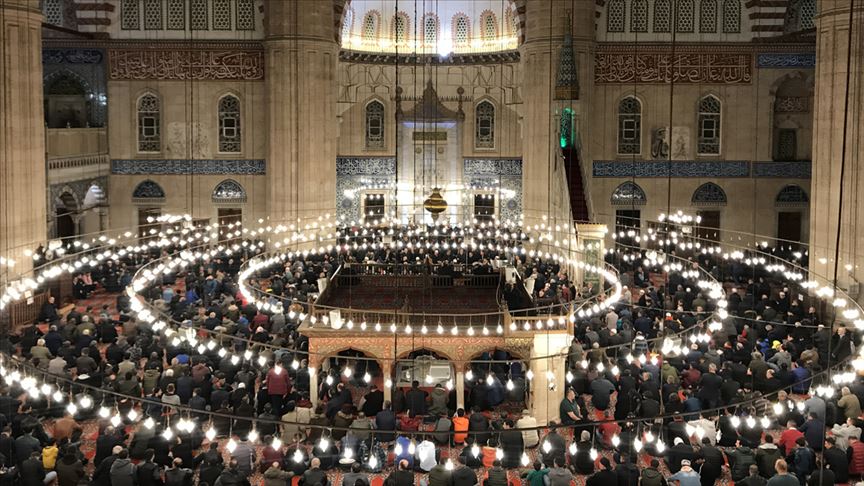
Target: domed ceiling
x,y
431,27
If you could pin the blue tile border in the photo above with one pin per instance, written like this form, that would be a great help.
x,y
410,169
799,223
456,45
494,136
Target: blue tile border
x,y
675,168
791,170
188,166
786,60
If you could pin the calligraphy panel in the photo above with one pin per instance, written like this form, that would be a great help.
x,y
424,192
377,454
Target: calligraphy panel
x,y
141,64
714,68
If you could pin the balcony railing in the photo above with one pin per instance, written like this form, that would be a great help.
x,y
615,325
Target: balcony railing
x,y
78,162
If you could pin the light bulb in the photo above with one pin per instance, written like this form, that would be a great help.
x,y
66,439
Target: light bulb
x,y
510,385
572,449
323,444
72,409
660,447
547,446
253,435
469,375
276,444
593,454
231,445
116,420
104,412
475,450
398,449
490,380
637,445
367,377
616,441
210,434
132,415
86,402
373,462
524,460
169,434
348,454
412,448
298,456
149,423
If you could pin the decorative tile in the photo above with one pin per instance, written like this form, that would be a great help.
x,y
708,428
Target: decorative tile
x,y
792,170
478,166
675,168
365,166
72,56
186,166
786,60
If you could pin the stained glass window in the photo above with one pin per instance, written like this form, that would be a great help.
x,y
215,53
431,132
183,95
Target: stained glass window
x,y
430,30
153,14
629,194
176,15
130,15
639,16
400,28
198,15
461,31
229,190
709,194
148,190
708,16
792,195
684,16
490,26
662,16
615,14
229,124
732,16
629,126
221,14
375,125
246,15
149,124
484,117
709,126
370,27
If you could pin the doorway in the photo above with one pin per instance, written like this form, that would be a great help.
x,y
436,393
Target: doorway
x,y
789,225
230,223
709,227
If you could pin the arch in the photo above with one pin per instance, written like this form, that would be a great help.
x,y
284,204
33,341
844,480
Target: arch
x,y
403,355
708,16
67,199
684,16
400,31
629,126
709,194
461,29
347,30
784,83
629,194
65,82
431,29
374,124
148,191
229,114
662,16
708,125
488,26
639,16
792,195
229,191
484,125
616,12
732,16
371,26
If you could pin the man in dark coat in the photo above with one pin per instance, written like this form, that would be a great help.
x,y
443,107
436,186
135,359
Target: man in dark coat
x,y
712,462
415,400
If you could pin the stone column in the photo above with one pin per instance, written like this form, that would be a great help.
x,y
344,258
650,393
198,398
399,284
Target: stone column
x,y
543,181
545,399
832,41
460,389
313,389
302,56
387,371
23,220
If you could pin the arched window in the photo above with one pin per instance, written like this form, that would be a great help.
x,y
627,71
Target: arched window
x,y
615,14
732,16
512,22
489,26
662,16
684,16
461,30
639,16
375,125
629,126
430,30
708,16
246,15
148,191
347,24
370,26
400,28
484,129
629,194
176,18
792,195
229,124
708,125
709,194
130,15
149,123
229,191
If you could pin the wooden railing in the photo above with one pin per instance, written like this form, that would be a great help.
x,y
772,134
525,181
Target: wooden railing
x,y
22,312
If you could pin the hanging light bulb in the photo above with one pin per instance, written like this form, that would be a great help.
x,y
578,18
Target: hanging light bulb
x,y
253,436
367,377
329,380
616,441
57,396
210,434
448,465
168,434
499,453
547,446
348,454
751,422
593,454
637,445
469,375
86,402
348,372
116,420
412,447
510,384
660,447
524,460
149,423
398,449
490,380
388,383
649,437
569,376
276,444
735,421
475,450
72,409
232,444
573,449
323,444
132,415
529,375
104,412
298,456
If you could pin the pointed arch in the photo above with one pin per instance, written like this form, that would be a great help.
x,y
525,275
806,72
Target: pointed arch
x,y
662,16
374,123
684,16
400,29
229,191
708,16
371,26
488,26
230,134
709,194
616,11
792,195
708,125
629,126
461,30
629,194
732,16
484,125
639,16
431,29
148,191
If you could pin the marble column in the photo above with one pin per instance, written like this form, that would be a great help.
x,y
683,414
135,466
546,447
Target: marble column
x,y
302,55
460,389
23,220
387,372
828,211
546,398
313,388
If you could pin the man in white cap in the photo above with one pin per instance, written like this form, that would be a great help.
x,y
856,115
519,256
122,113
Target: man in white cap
x,y
686,476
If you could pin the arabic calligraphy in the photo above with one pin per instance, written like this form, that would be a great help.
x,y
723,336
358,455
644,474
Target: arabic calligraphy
x,y
685,68
185,64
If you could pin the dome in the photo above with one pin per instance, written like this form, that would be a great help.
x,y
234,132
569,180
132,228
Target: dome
x,y
430,26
